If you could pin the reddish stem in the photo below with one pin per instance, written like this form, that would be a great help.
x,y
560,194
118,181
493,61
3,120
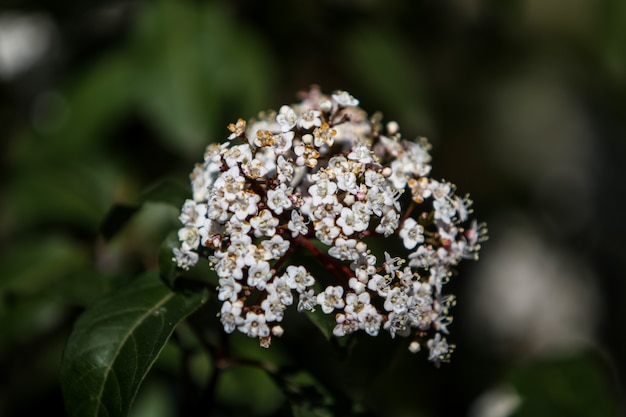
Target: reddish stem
x,y
340,271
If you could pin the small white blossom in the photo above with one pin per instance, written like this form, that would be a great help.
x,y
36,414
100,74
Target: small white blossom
x,y
343,98
276,246
259,274
228,289
297,225
298,278
230,315
264,224
444,210
310,119
278,199
286,118
255,325
438,348
331,299
411,233
361,153
307,301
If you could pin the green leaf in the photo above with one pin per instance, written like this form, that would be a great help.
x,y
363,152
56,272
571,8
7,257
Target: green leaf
x,y
165,191
390,71
115,343
325,322
568,386
174,277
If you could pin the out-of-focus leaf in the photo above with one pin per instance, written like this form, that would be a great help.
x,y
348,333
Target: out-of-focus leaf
x,y
195,62
577,386
57,191
166,191
325,322
169,192
116,218
26,318
95,98
29,267
250,391
155,400
388,70
612,33
116,341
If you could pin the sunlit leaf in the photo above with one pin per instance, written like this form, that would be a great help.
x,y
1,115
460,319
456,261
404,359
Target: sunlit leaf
x,y
116,341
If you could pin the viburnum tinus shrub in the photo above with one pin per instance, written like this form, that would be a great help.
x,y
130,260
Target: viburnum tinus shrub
x,y
322,176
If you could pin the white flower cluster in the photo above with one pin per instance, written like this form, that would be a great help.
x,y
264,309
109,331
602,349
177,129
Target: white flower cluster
x,y
322,177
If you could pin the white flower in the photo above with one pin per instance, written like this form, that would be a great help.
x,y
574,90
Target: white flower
x,y
388,223
298,278
346,324
284,169
185,258
236,227
230,266
370,320
190,237
259,274
347,221
278,199
237,129
344,249
255,325
280,287
331,299
228,289
230,183
239,245
230,315
439,190
286,118
444,211
438,348
193,213
411,233
307,301
396,300
379,284
343,98
273,308
255,168
322,192
361,153
283,142
264,224
310,119
245,205
297,225
276,246
237,154
326,231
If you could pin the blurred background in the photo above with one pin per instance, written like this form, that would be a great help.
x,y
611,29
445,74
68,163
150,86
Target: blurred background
x,y
524,102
